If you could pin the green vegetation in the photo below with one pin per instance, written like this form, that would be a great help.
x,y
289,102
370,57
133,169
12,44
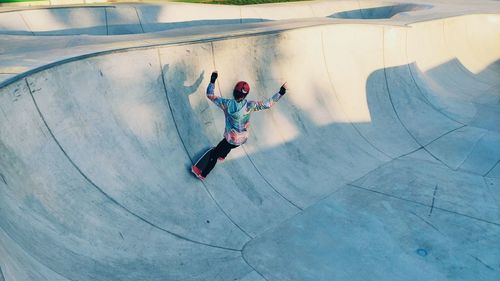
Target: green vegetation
x,y
226,2
12,1
236,2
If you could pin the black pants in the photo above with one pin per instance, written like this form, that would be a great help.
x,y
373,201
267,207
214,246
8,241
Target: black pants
x,y
221,150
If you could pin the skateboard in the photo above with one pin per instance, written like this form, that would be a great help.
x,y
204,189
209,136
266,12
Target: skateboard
x,y
201,164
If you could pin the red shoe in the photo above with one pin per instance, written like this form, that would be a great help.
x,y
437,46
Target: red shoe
x,y
221,159
197,172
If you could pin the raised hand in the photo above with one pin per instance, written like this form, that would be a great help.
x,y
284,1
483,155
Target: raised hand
x,y
214,77
283,89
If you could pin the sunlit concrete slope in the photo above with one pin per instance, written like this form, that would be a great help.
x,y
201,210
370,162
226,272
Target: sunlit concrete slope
x,y
381,162
127,18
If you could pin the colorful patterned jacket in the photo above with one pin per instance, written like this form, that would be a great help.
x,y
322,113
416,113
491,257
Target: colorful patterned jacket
x,y
238,114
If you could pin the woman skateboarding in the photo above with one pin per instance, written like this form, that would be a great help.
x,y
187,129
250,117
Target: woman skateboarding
x,y
237,112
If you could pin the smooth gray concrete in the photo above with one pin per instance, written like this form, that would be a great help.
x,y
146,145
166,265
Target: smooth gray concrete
x,y
381,162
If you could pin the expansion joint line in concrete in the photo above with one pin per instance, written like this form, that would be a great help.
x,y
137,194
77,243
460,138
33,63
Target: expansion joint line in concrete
x,y
332,87
397,114
106,20
445,134
481,262
420,90
139,19
33,257
107,195
287,220
241,16
465,159
471,150
187,151
487,173
252,267
26,23
426,222
390,95
265,179
422,204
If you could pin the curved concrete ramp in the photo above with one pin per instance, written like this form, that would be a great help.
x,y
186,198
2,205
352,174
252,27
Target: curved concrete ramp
x,y
126,18
381,163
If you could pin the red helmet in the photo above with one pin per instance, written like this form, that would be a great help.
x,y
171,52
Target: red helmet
x,y
241,90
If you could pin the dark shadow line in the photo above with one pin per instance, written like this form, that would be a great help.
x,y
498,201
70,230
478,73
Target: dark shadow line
x,y
107,195
186,150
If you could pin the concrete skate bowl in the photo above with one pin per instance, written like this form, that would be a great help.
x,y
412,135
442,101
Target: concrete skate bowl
x,y
122,19
382,155
113,19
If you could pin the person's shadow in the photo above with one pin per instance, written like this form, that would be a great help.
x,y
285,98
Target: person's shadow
x,y
186,117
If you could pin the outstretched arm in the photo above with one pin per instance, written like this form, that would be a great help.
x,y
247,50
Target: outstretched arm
x,y
220,102
266,104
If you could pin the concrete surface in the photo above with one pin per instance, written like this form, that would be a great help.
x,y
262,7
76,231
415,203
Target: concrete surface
x,y
128,18
381,162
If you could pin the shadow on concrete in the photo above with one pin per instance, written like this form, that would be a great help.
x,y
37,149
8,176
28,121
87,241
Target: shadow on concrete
x,y
298,172
100,21
379,12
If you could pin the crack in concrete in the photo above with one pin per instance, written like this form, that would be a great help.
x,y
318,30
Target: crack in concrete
x,y
483,263
433,200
